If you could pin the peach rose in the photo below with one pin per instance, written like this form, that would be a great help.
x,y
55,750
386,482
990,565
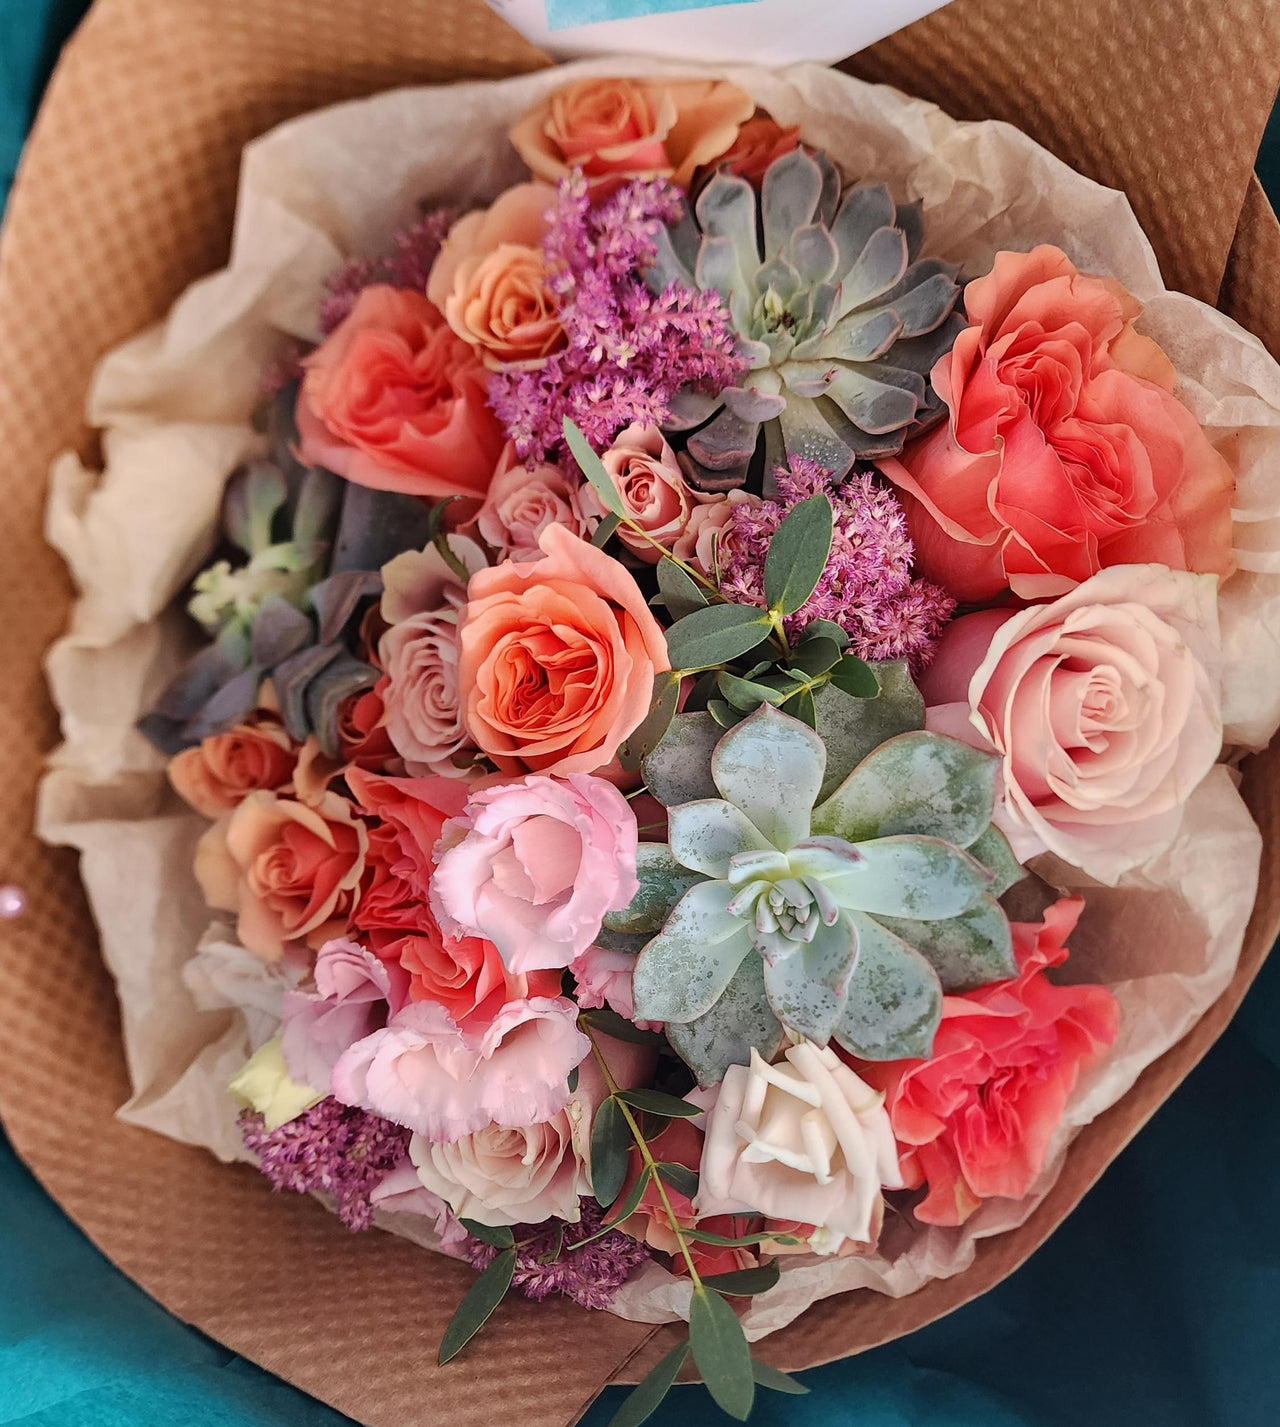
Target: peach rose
x,y
616,129
490,280
646,475
1103,705
701,543
759,142
522,502
1066,450
393,399
291,871
558,658
223,769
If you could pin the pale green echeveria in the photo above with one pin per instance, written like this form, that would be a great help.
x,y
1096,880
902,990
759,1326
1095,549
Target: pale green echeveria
x,y
779,908
839,323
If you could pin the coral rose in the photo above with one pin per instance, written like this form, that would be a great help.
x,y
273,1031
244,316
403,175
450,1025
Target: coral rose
x,y
805,1141
646,475
558,658
974,1120
223,769
394,399
1066,450
616,129
291,871
534,866
759,142
1103,705
422,1072
522,502
490,280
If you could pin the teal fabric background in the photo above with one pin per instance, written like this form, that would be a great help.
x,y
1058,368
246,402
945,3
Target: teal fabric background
x,y
1156,1305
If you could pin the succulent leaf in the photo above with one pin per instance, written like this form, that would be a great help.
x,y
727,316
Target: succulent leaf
x,y
895,1001
808,989
967,951
740,1020
663,881
705,835
684,970
898,876
771,767
851,727
993,851
678,770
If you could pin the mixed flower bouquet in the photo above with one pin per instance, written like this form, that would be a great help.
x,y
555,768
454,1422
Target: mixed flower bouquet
x,y
660,620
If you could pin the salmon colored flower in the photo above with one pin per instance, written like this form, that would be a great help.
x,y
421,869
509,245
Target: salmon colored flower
x,y
290,871
395,400
615,129
759,142
490,280
558,658
223,769
974,1120
1066,450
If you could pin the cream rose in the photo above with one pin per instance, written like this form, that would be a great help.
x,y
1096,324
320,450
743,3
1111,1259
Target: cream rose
x,y
804,1140
1104,705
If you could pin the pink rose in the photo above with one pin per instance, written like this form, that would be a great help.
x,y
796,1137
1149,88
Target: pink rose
x,y
647,478
290,871
353,996
702,542
394,400
421,602
974,1120
402,1192
1103,704
604,979
521,504
422,1072
534,866
1066,450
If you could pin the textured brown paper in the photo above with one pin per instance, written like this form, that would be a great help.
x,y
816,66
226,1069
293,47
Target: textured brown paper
x,y
124,199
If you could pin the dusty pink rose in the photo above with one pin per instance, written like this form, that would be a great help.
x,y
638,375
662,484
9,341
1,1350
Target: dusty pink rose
x,y
290,871
402,1192
490,280
803,1140
616,129
421,603
647,478
520,505
393,399
223,769
1066,450
422,1072
1103,704
701,543
534,866
975,1119
354,994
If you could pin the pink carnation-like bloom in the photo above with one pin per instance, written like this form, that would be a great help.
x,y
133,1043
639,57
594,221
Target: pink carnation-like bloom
x,y
974,1120
422,1072
354,994
534,866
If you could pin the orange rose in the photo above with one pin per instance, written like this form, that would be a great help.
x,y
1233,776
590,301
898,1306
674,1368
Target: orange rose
x,y
558,658
759,142
393,399
290,870
225,768
490,280
1066,450
616,129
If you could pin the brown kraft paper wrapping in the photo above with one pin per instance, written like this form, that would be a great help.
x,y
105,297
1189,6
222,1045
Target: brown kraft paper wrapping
x,y
125,196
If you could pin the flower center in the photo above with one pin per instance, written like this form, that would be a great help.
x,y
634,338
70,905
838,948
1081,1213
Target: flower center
x,y
785,908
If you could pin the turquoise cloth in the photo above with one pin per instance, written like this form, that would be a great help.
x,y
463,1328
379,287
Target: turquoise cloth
x,y
1156,1305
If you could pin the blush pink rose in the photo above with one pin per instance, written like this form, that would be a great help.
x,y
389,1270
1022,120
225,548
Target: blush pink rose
x,y
354,994
223,769
559,657
393,399
422,1072
646,475
1104,706
522,502
534,866
702,543
291,871
1066,450
604,979
974,1120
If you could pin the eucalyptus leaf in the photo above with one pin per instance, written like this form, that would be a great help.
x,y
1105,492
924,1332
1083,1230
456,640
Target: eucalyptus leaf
x,y
666,696
803,707
609,1023
481,1299
715,635
603,532
592,467
798,555
499,1235
678,770
719,1241
993,851
745,694
654,1102
775,1381
815,656
679,592
720,1350
824,629
851,727
680,1177
663,881
610,1152
967,951
855,677
725,715
744,1282
573,1080
644,1400
724,1036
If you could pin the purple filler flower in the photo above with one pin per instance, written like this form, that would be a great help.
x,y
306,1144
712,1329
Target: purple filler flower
x,y
345,1151
547,1261
629,351
407,266
867,587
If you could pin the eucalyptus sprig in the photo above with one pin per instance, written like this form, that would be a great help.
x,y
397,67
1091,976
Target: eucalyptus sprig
x,y
716,1340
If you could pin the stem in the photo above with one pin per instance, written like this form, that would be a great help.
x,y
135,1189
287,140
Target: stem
x,y
650,1164
702,580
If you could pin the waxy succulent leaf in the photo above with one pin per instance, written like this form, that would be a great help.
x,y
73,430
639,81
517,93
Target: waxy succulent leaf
x,y
771,766
894,1002
663,881
993,851
740,1020
967,951
678,769
683,971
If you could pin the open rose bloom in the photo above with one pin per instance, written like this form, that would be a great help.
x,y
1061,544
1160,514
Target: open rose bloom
x,y
564,884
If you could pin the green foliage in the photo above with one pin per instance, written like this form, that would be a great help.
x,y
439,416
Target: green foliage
x,y
797,555
480,1300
